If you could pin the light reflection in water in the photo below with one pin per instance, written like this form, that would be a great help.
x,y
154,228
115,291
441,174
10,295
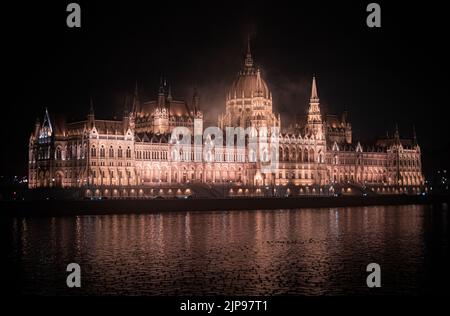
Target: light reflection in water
x,y
307,251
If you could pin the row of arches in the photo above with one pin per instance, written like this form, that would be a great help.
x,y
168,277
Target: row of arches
x,y
185,174
70,151
112,153
293,154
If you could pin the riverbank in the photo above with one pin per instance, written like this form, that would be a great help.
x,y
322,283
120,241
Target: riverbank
x,y
100,207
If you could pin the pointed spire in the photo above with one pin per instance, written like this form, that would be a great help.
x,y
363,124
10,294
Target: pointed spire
x,y
126,111
259,89
195,100
47,124
396,134
248,57
314,95
162,83
135,107
91,106
161,94
169,95
91,114
314,115
136,88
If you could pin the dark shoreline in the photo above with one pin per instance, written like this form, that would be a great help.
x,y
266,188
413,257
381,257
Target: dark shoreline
x,y
101,207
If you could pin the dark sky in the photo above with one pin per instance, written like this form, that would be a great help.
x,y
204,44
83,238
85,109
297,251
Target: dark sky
x,y
397,73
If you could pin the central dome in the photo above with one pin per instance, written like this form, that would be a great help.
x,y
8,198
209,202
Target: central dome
x,y
249,83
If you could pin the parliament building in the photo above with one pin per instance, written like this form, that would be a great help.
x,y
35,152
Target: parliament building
x,y
140,156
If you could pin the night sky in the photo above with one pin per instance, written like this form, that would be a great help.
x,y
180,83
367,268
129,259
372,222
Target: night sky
x,y
394,74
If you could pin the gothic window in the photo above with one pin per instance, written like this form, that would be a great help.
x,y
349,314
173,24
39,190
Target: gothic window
x,y
93,151
311,155
128,152
119,152
58,153
320,160
286,154
111,152
102,152
265,157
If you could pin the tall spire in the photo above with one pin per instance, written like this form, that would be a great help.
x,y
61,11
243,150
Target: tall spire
x,y
162,83
248,57
91,115
259,89
314,109
126,109
161,94
396,134
135,107
196,100
91,106
47,128
314,96
169,94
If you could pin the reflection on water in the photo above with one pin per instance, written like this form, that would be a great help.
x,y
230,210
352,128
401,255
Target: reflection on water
x,y
307,251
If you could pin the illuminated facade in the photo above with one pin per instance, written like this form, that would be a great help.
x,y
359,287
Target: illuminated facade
x,y
140,155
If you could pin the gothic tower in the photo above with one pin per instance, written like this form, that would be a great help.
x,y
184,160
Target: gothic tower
x,y
161,115
314,124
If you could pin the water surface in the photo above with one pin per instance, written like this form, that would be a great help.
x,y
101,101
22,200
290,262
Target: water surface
x,y
281,252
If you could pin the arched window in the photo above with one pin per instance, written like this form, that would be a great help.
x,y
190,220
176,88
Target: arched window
x,y
311,155
58,153
265,156
102,152
119,152
93,151
111,152
305,155
128,152
286,154
252,156
320,157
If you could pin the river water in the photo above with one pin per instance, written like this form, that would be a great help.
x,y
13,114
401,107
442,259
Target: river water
x,y
276,252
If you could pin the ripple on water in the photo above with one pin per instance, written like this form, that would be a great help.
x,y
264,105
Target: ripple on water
x,y
284,252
